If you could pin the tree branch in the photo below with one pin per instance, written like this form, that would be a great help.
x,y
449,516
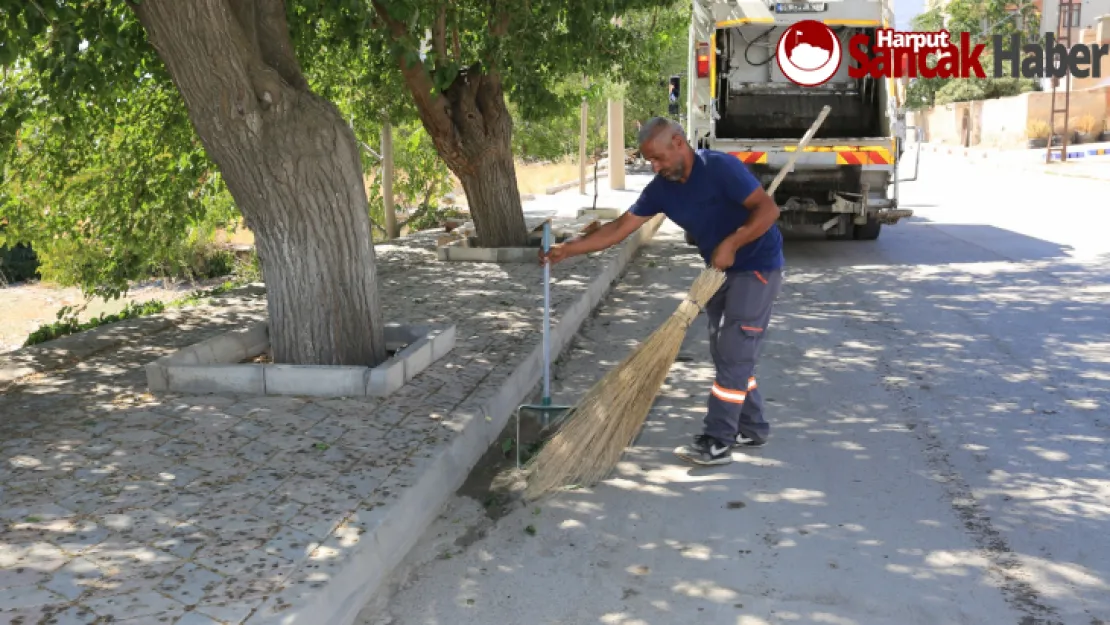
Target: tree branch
x,y
455,35
245,12
433,108
439,34
276,45
499,20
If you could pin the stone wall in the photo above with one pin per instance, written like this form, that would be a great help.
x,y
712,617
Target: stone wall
x,y
1003,122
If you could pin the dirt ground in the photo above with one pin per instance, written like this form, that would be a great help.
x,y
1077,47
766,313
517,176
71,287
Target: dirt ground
x,y
26,306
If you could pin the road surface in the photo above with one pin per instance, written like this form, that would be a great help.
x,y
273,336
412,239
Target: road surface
x,y
940,405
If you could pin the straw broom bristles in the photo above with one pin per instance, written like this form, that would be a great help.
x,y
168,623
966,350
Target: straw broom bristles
x,y
605,421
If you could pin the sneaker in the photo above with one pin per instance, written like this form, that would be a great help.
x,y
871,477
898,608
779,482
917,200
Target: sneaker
x,y
705,450
744,441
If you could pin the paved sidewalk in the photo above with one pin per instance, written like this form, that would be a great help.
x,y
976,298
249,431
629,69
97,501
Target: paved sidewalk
x,y
119,506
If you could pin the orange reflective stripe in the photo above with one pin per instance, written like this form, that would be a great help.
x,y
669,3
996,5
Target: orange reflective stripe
x,y
760,276
751,384
728,395
751,328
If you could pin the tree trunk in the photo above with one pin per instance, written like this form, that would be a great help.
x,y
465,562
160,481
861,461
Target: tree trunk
x,y
491,191
477,146
472,131
292,165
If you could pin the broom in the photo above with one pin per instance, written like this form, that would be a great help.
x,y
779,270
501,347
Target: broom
x,y
605,421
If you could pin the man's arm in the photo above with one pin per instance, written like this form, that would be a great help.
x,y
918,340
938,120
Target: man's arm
x,y
764,213
604,237
743,187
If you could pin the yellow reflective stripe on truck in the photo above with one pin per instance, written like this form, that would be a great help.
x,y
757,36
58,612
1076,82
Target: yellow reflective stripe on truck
x,y
856,23
845,154
745,20
713,65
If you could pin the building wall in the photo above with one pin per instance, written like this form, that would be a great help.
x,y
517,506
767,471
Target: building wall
x,y
1089,13
1004,122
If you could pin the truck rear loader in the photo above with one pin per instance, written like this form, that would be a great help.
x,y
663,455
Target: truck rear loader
x,y
740,102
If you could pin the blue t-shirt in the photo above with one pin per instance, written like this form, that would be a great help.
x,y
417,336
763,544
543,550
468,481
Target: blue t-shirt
x,y
710,206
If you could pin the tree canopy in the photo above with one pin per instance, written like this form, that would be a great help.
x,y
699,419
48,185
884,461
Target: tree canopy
x,y
98,156
981,19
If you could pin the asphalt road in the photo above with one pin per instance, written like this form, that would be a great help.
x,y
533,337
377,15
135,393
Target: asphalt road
x,y
940,415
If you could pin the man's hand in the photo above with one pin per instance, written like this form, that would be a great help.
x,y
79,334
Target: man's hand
x,y
606,236
556,254
725,254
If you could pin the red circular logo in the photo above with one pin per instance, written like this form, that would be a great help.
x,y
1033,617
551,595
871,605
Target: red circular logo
x,y
808,53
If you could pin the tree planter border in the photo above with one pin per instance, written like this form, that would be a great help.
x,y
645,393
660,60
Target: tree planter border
x,y
461,249
216,365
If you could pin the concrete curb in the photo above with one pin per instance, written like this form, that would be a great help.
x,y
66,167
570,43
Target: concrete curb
x,y
73,348
385,535
216,365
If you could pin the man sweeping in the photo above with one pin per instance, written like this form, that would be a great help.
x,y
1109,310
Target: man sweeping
x,y
715,198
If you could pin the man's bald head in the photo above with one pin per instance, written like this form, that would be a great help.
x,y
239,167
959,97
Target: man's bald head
x,y
663,142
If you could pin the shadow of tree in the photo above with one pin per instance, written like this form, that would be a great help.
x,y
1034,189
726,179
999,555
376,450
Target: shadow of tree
x,y
938,454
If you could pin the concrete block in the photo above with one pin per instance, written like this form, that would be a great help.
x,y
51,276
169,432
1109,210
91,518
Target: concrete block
x,y
186,356
416,357
443,341
255,339
599,213
316,381
243,379
386,378
226,348
471,254
517,254
156,378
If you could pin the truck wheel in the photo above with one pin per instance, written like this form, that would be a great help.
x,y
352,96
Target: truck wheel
x,y
867,232
690,239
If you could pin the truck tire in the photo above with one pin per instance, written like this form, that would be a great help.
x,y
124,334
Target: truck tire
x,y
867,232
690,239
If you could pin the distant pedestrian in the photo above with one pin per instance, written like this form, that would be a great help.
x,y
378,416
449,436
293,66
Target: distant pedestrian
x,y
715,198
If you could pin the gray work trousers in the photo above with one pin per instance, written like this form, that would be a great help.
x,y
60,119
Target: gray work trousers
x,y
739,314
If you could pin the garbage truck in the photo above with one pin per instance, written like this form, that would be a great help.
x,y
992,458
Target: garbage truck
x,y
739,101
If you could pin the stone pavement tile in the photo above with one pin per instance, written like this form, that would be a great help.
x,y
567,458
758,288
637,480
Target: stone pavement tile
x,y
145,607
224,612
208,509
29,598
190,583
248,576
74,579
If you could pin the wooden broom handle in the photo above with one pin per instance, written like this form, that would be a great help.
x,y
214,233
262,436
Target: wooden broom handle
x,y
789,167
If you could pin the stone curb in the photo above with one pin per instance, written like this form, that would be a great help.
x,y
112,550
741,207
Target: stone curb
x,y
392,531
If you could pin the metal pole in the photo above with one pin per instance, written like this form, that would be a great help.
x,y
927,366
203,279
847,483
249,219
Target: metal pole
x,y
582,140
